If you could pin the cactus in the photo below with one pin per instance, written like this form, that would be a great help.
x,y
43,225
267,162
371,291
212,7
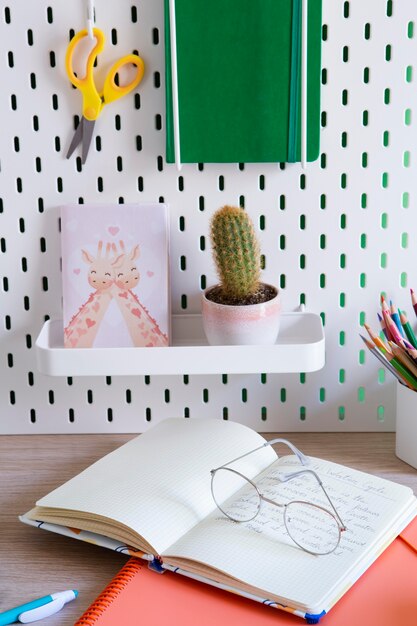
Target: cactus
x,y
236,253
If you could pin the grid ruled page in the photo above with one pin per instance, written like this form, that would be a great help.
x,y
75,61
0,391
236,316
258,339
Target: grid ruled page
x,y
158,484
369,506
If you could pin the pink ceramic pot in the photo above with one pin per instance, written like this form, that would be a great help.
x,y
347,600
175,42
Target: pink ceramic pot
x,y
251,324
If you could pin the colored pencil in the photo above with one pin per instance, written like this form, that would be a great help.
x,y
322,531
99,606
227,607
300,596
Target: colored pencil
x,y
411,351
377,340
404,359
392,328
406,375
413,300
383,326
396,319
384,361
408,329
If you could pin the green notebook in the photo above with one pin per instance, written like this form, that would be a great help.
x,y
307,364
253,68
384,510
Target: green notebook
x,y
239,80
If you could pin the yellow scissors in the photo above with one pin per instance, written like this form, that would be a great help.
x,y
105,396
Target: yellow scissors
x,y
93,100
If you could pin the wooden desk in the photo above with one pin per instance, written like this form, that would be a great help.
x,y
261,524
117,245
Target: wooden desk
x,y
35,563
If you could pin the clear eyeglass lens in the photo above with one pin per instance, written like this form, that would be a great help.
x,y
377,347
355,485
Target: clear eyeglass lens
x,y
244,505
312,528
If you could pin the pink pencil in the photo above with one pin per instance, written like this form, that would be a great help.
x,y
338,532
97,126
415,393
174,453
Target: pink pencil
x,y
413,300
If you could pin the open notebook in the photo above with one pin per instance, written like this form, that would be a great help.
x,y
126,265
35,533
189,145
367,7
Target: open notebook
x,y
152,497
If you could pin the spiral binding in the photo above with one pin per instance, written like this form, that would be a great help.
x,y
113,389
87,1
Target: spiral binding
x,y
110,593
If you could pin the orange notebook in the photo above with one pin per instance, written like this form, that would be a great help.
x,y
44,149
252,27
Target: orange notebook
x,y
386,594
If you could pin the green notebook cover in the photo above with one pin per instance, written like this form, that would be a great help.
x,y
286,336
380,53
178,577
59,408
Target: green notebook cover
x,y
239,80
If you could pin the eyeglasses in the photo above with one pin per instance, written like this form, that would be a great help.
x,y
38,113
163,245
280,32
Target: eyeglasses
x,y
311,527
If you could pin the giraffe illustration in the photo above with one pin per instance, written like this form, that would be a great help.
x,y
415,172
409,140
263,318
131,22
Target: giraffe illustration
x,y
82,329
143,329
113,277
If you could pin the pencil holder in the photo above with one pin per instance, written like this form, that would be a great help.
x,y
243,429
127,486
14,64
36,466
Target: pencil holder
x,y
406,429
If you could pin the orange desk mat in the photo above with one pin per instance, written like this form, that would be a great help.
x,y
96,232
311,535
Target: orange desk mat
x,y
385,595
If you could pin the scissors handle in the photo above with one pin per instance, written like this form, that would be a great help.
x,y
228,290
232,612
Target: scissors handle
x,y
92,102
112,91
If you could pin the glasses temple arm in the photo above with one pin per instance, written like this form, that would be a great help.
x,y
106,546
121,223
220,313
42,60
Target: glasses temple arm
x,y
286,477
304,460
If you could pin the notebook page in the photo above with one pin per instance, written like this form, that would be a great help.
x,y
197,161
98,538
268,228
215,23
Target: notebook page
x,y
368,505
158,484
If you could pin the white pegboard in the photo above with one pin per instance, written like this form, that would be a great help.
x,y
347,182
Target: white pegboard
x,y
324,232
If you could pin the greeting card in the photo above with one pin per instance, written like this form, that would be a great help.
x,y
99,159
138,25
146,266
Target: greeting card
x,y
115,274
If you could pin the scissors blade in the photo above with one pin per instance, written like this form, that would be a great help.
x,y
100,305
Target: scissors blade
x,y
78,135
88,127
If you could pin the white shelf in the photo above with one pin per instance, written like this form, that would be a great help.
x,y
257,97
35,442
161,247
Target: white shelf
x,y
299,348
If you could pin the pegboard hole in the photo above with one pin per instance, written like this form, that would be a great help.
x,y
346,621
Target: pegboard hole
x,y
410,30
283,395
49,15
341,413
303,413
109,415
367,31
380,413
322,394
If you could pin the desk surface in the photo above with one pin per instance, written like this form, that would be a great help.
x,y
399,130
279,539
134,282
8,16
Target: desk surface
x,y
35,563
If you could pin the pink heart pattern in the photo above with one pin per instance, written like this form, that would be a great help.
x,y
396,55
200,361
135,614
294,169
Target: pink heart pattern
x,y
90,322
149,273
113,230
76,270
136,312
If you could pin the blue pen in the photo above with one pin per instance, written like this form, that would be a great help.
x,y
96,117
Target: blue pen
x,y
37,609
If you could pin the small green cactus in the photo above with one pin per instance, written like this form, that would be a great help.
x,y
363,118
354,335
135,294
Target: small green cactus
x,y
236,252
